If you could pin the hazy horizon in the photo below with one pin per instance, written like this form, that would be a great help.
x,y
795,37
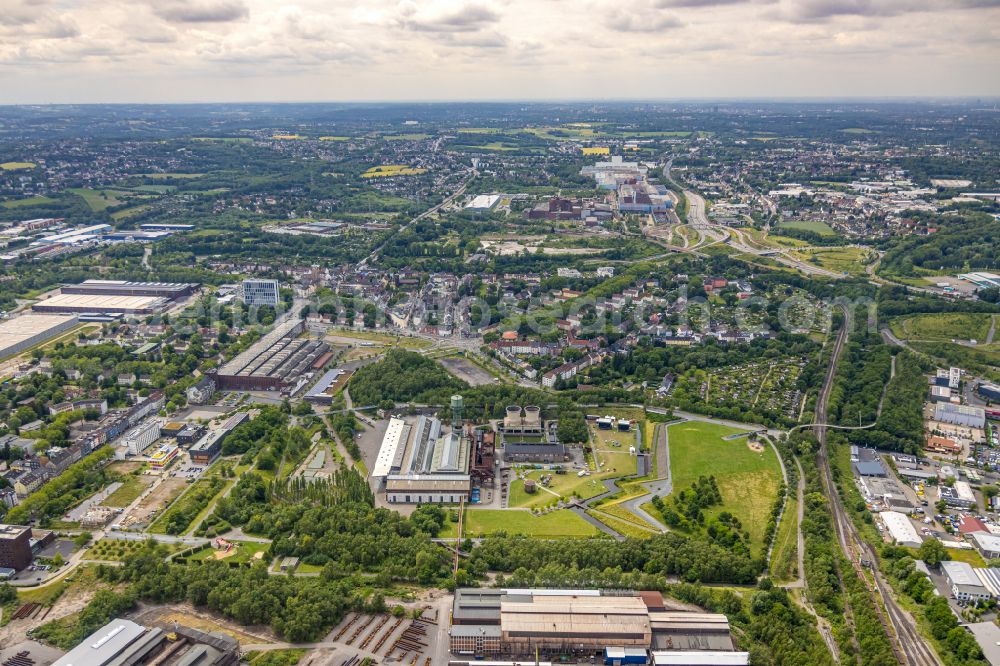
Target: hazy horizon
x,y
249,51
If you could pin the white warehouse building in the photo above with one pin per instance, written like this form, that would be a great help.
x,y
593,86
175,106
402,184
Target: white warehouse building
x,y
900,528
963,581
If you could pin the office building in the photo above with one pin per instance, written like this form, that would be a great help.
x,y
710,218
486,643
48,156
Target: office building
x,y
202,392
963,581
259,292
210,446
163,455
140,438
15,546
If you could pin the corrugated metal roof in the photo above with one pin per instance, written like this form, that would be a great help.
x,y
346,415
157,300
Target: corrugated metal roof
x,y
693,658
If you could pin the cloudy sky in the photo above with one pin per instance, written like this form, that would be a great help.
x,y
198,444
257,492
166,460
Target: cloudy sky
x,y
327,50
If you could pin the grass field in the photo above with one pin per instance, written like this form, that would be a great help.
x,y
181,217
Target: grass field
x,y
391,170
748,481
846,259
562,484
243,551
287,137
125,213
624,527
17,166
943,327
131,488
808,225
784,557
406,137
334,138
98,200
562,523
596,150
28,201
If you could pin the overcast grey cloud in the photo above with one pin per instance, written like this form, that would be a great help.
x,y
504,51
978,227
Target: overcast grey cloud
x,y
630,19
201,11
464,18
297,50
692,4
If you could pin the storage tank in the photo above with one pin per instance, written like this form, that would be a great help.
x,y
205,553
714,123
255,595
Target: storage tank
x,y
513,417
532,416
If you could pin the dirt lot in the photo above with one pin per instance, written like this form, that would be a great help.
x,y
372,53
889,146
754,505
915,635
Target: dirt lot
x,y
165,617
125,467
160,497
467,371
72,601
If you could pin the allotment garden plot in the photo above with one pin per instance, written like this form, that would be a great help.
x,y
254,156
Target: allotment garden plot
x,y
765,387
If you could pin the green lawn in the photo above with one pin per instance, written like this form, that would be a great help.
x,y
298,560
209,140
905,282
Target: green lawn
x,y
17,166
563,484
808,225
847,259
968,556
626,528
243,551
784,557
748,481
561,523
128,212
406,137
131,488
943,326
29,201
98,200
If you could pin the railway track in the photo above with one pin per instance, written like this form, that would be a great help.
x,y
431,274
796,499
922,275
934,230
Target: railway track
x,y
908,645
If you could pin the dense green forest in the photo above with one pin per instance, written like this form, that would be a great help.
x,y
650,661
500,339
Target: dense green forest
x,y
967,242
